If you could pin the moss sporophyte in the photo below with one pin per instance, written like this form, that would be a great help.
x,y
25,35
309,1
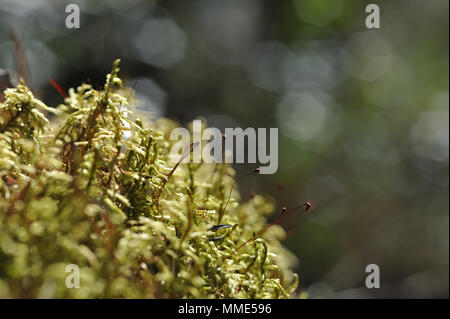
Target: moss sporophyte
x,y
91,184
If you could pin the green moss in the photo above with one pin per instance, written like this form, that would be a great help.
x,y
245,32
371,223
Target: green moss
x,y
93,187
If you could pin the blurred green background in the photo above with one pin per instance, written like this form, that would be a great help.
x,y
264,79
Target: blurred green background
x,y
363,114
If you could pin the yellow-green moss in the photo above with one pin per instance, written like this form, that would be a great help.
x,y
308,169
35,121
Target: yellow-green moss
x,y
90,187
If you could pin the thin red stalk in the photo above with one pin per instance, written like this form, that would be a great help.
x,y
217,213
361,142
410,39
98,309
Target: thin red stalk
x,y
307,205
283,214
188,152
223,159
231,190
58,87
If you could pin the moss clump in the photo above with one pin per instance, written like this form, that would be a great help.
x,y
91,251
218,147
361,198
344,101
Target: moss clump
x,y
91,187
